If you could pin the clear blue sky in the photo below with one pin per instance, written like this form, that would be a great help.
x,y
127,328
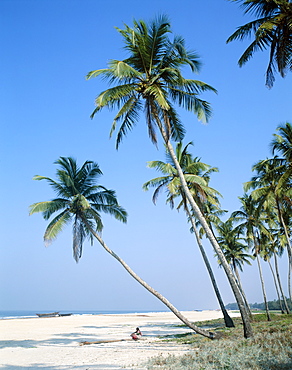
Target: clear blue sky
x,y
47,49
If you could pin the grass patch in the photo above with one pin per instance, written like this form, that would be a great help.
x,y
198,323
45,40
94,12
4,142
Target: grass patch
x,y
269,349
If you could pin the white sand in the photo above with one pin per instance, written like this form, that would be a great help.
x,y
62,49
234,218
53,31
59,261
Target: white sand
x,y
54,343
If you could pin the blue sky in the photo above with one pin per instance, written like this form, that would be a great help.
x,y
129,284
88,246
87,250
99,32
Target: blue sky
x,y
47,49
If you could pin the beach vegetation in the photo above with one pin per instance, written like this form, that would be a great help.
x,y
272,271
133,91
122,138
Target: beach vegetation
x,y
270,348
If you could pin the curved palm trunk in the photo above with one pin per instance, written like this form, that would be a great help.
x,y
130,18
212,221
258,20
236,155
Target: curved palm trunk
x,y
241,290
263,287
276,286
227,319
198,330
280,284
244,315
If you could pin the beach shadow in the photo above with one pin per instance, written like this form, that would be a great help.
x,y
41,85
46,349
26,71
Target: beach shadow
x,y
58,339
18,343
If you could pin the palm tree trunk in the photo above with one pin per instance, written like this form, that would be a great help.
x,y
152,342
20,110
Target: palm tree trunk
x,y
198,330
227,319
242,291
289,248
263,287
244,315
280,284
289,281
276,286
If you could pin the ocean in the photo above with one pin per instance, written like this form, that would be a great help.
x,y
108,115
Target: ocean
x,y
29,314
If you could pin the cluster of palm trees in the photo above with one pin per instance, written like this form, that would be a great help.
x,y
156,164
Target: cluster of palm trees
x,y
150,80
263,222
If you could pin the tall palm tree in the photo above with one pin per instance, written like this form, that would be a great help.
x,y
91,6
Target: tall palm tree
x,y
150,79
80,201
234,251
197,176
253,224
272,30
273,248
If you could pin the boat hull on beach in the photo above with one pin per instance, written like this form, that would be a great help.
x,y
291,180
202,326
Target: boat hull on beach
x,y
50,314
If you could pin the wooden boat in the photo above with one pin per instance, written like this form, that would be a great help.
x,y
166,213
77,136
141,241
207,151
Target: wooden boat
x,y
64,314
50,314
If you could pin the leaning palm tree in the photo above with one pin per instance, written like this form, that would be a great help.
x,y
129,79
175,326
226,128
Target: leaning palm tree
x,y
80,201
272,30
197,175
151,80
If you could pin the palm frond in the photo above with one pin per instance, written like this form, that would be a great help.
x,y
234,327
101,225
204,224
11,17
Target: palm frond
x,y
78,237
50,207
56,226
128,114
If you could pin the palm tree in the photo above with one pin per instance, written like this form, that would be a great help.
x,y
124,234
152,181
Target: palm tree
x,y
273,248
234,252
197,176
272,30
80,201
254,227
150,79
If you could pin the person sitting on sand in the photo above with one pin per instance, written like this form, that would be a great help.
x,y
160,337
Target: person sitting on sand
x,y
137,334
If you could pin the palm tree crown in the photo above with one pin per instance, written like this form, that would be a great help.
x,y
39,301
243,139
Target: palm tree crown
x,y
231,245
273,29
79,200
282,142
150,79
196,173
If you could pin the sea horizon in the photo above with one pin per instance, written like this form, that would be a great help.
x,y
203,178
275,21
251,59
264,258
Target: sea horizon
x,y
17,314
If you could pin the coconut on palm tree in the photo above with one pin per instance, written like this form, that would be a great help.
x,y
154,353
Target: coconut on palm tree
x,y
79,201
197,176
150,80
272,29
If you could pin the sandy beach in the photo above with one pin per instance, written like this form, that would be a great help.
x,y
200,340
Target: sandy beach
x,y
54,343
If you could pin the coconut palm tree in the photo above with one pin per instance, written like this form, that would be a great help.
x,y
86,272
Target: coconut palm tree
x,y
234,251
150,79
197,176
272,30
80,201
273,248
252,223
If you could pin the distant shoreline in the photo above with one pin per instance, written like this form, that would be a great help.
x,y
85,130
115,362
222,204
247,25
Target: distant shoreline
x,y
14,314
